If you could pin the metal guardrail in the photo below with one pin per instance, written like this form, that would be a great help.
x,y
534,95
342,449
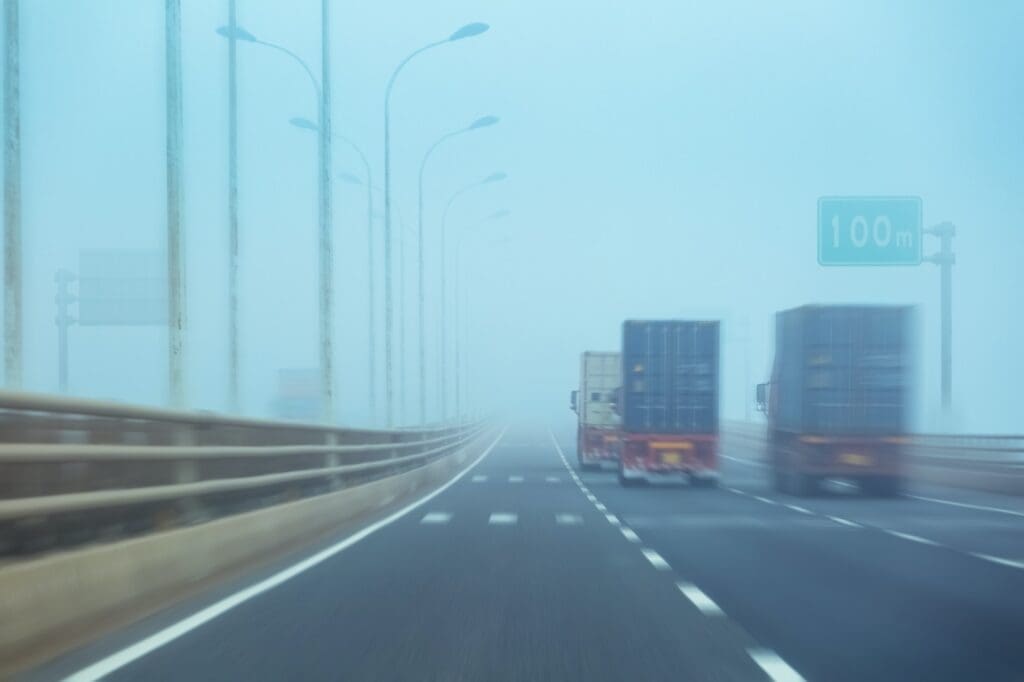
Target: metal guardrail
x,y
963,450
74,470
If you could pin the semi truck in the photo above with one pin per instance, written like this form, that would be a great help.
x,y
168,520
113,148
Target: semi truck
x,y
838,400
597,422
669,402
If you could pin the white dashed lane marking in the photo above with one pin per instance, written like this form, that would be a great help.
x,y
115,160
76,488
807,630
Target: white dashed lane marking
x,y
436,517
765,500
978,507
600,507
656,560
552,479
999,560
844,522
797,508
515,479
479,478
912,538
702,601
612,519
568,519
502,519
776,668
630,535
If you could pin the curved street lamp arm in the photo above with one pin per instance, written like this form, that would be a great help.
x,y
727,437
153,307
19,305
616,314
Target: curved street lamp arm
x,y
302,63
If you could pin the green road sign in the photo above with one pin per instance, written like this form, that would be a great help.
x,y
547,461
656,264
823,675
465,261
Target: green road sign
x,y
869,230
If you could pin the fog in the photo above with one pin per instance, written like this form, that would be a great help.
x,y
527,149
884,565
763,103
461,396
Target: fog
x,y
664,160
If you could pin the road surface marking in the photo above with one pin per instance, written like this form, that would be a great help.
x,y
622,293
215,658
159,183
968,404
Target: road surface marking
x,y
765,500
702,601
630,535
502,519
479,478
912,538
656,560
436,517
568,519
734,490
999,560
796,508
600,507
591,497
776,668
515,479
612,519
552,479
979,507
117,660
844,522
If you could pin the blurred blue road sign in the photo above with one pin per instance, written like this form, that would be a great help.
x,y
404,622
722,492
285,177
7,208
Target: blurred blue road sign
x,y
869,230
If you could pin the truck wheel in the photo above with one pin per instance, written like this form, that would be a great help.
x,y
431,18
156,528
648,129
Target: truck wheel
x,y
626,482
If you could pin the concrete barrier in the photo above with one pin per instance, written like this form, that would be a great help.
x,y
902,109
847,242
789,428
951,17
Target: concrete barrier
x,y
47,604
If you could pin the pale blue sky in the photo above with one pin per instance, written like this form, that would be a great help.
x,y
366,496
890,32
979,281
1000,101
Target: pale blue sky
x,y
664,160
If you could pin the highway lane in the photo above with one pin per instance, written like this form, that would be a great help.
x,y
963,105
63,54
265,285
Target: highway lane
x,y
845,587
510,573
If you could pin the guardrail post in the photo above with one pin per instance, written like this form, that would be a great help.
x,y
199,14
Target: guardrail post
x,y
333,459
185,471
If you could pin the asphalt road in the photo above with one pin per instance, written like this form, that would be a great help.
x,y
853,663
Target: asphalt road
x,y
525,569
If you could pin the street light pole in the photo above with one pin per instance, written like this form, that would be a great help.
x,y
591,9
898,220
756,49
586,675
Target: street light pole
x,y
945,259
443,365
233,396
467,31
326,254
12,197
479,123
326,232
175,250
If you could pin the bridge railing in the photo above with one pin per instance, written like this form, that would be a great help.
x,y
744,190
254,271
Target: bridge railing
x,y
991,462
74,470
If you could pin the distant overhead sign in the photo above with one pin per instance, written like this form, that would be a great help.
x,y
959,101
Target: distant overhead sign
x,y
122,287
869,230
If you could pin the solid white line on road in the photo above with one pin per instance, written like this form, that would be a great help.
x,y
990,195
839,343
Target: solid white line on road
x,y
776,668
656,560
999,560
436,517
765,500
978,507
702,601
515,479
591,497
502,519
552,479
568,519
119,659
479,478
630,535
912,538
612,519
844,522
799,509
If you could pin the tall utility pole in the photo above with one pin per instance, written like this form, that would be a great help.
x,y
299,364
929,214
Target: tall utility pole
x,y
64,320
326,237
12,198
945,259
233,399
175,247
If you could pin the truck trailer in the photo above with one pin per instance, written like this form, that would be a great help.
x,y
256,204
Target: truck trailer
x,y
838,400
669,402
597,422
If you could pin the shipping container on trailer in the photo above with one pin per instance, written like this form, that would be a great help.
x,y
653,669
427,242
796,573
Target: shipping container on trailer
x,y
839,397
669,401
598,422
